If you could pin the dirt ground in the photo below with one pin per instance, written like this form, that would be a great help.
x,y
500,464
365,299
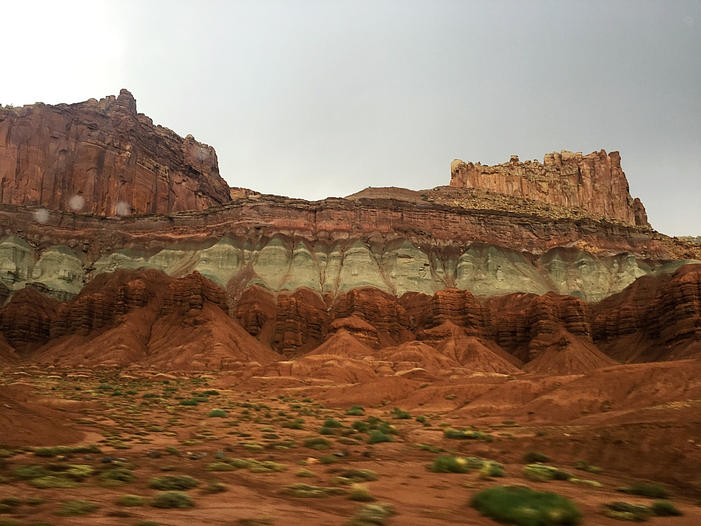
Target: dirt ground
x,y
247,458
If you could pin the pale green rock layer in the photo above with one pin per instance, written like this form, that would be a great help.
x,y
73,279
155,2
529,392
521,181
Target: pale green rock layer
x,y
396,267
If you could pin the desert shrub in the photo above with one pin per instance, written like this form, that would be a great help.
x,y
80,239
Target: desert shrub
x,y
664,508
328,459
463,434
647,489
491,469
534,456
172,499
372,515
317,443
294,424
221,466
53,481
377,436
525,507
356,410
173,482
543,473
70,508
624,511
332,423
400,414
217,413
214,487
449,464
350,476
360,493
116,477
584,466
130,500
307,491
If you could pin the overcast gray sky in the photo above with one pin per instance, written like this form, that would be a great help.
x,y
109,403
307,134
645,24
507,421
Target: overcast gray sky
x,y
323,98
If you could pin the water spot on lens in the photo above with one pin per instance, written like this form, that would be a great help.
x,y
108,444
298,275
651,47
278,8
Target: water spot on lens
x,y
688,20
122,208
41,215
77,202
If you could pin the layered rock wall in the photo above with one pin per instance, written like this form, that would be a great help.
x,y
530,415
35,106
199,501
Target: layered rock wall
x,y
595,182
103,158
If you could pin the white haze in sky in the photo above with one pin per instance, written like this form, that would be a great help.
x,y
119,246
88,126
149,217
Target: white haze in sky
x,y
323,98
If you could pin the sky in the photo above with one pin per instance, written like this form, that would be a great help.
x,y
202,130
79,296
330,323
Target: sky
x,y
323,98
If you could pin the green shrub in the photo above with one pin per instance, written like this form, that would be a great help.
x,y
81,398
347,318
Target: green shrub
x,y
449,464
534,456
525,507
360,493
491,469
330,422
328,459
664,508
462,434
624,511
172,499
317,443
377,436
173,482
214,487
372,515
71,508
294,424
647,489
584,466
543,473
116,477
356,410
52,481
400,414
307,491
130,500
350,476
218,413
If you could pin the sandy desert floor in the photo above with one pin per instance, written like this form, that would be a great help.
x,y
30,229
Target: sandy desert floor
x,y
255,452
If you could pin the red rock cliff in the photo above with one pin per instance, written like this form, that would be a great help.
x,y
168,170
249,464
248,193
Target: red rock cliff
x,y
106,153
595,182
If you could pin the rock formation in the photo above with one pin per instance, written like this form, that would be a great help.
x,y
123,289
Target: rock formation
x,y
504,270
595,182
103,158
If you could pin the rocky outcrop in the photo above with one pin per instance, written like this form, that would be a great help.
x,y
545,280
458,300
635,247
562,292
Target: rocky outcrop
x,y
103,158
656,318
26,320
595,182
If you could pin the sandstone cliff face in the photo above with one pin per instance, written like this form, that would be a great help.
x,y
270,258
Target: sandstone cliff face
x,y
103,158
595,182
142,317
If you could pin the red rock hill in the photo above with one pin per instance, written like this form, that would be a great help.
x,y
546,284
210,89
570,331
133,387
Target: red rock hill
x,y
113,158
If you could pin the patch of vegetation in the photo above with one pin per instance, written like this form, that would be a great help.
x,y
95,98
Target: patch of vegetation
x,y
130,500
525,507
217,413
307,491
215,487
647,489
664,508
360,493
173,482
465,434
351,476
65,450
400,414
116,477
543,473
449,464
372,515
377,436
491,469
172,499
584,466
71,508
356,410
535,456
624,511
317,443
